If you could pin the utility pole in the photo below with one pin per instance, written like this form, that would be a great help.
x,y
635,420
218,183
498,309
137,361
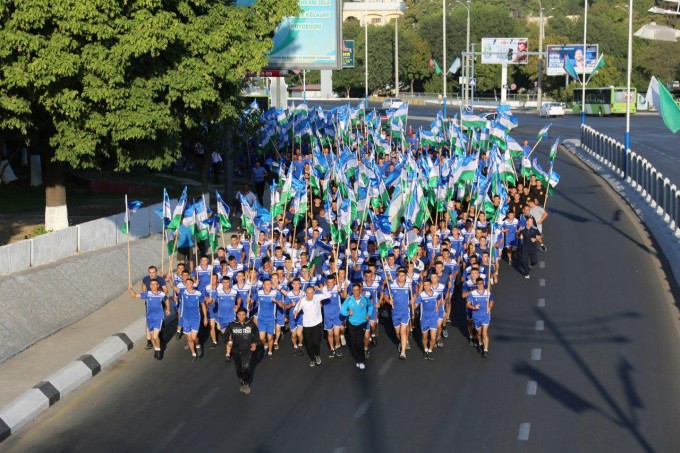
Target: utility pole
x,y
396,57
539,93
366,49
444,55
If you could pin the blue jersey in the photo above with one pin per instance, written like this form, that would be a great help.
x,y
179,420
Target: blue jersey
x,y
292,298
332,301
266,304
154,304
451,266
400,297
428,304
191,302
225,301
203,276
456,245
482,299
236,252
373,291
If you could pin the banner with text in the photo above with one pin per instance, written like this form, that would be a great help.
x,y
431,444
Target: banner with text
x,y
574,52
504,50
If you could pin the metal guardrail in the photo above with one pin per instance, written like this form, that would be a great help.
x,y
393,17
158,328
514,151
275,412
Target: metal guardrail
x,y
637,171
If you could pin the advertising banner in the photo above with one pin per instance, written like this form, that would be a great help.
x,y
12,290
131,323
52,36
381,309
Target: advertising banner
x,y
504,50
557,54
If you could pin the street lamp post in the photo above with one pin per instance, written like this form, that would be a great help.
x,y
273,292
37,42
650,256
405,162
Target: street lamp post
x,y
366,50
583,82
466,69
541,37
444,56
396,57
628,100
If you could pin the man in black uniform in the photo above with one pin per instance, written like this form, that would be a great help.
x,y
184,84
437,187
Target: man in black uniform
x,y
531,239
243,336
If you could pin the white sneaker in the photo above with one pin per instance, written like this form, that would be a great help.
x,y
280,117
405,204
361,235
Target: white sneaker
x,y
361,366
358,365
342,340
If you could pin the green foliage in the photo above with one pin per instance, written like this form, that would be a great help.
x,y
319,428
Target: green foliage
x,y
127,80
38,231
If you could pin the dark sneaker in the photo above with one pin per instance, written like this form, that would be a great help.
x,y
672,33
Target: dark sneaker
x,y
148,345
332,353
445,334
318,360
194,358
428,356
312,364
160,355
301,351
544,248
374,340
338,352
213,346
178,335
227,358
276,346
155,354
485,354
295,350
367,353
199,352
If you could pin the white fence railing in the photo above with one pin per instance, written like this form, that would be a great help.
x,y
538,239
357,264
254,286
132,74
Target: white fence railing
x,y
637,171
85,237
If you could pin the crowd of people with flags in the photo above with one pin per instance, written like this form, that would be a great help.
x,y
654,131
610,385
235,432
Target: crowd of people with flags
x,y
364,227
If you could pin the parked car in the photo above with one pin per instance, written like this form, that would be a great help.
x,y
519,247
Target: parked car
x,y
382,113
550,109
392,103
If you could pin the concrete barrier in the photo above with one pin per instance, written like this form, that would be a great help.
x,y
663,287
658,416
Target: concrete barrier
x,y
15,257
97,234
54,246
37,302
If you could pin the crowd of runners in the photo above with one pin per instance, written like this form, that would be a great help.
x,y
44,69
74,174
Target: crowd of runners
x,y
358,235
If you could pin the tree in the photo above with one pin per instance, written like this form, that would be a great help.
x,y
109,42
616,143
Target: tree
x,y
414,54
87,81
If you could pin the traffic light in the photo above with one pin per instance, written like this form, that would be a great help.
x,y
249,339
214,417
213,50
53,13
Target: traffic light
x,y
509,54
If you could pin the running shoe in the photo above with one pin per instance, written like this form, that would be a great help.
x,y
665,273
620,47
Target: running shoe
x,y
362,366
276,346
440,344
178,335
445,334
194,358
199,351
318,360
402,356
374,340
332,353
312,364
338,352
342,340
148,345
213,346
485,354
526,276
429,357
367,353
227,358
295,350
246,389
544,248
408,345
155,355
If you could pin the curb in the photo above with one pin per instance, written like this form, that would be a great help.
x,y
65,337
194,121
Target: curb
x,y
46,393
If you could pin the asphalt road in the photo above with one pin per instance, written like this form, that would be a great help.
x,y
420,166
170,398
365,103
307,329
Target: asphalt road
x,y
584,357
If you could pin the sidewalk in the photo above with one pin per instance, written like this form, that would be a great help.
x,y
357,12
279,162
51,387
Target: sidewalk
x,y
21,372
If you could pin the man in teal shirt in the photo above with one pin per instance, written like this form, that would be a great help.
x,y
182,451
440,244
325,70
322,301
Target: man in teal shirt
x,y
358,309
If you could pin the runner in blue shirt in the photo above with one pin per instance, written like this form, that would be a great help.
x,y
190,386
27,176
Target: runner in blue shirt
x,y
480,301
400,301
190,307
202,273
210,308
429,302
373,291
266,300
292,297
157,306
357,308
227,301
331,314
469,285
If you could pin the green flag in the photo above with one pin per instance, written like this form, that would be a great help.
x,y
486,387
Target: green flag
x,y
598,66
661,98
437,69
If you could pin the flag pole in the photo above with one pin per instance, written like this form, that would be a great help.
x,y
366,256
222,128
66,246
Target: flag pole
x,y
195,242
127,227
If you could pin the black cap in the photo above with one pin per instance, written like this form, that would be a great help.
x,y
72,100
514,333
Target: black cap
x,y
241,309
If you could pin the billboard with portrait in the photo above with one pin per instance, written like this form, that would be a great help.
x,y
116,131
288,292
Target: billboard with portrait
x,y
312,40
557,53
504,50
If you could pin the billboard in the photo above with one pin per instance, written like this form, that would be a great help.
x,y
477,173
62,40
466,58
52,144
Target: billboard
x,y
504,50
311,40
557,54
347,53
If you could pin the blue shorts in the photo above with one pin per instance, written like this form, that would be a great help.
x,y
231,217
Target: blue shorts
x,y
212,311
154,323
428,323
482,320
400,318
281,317
343,319
190,324
512,243
295,321
374,315
266,325
468,314
441,312
331,320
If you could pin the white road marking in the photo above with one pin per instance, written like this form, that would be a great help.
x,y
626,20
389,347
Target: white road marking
x,y
208,396
532,386
168,437
541,264
362,409
541,282
536,354
524,431
539,326
385,367
541,302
